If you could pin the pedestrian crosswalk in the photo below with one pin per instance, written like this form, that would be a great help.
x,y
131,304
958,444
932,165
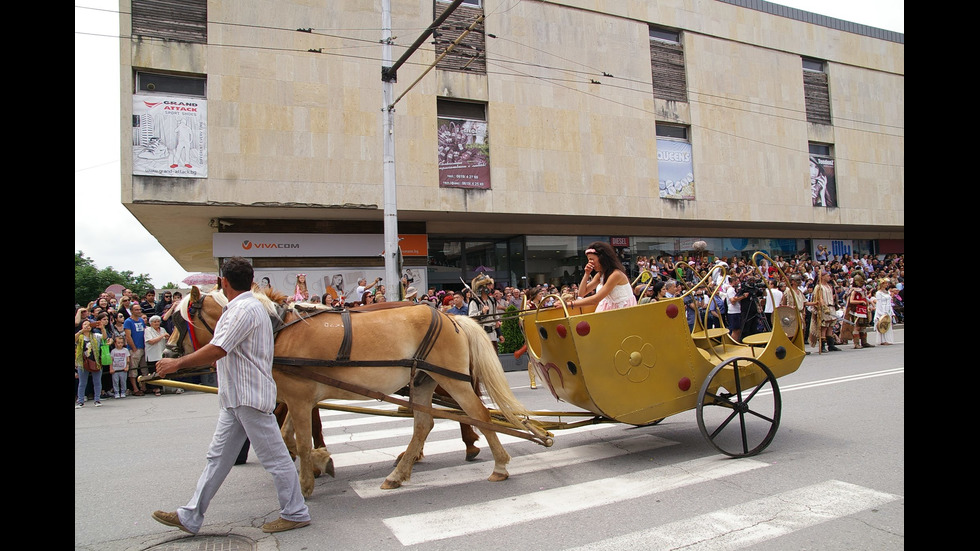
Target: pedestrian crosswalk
x,y
728,527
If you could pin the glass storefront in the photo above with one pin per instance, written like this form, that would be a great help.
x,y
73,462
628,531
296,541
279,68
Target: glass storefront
x,y
525,261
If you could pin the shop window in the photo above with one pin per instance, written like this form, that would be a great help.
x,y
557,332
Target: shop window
x,y
470,55
816,91
667,61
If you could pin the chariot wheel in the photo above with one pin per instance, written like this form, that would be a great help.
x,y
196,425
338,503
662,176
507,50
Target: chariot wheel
x,y
739,407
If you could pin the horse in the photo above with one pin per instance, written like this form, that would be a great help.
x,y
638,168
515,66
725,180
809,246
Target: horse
x,y
378,350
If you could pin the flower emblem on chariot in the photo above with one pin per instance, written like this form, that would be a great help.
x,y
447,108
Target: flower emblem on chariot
x,y
635,359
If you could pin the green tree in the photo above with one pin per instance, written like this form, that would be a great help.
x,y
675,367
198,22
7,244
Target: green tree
x,y
90,280
511,331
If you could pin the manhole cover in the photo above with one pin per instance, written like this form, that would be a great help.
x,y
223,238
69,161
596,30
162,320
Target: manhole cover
x,y
206,543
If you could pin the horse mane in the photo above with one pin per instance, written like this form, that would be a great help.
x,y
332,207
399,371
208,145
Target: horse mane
x,y
269,298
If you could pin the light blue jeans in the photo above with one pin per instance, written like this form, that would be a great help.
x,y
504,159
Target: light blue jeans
x,y
83,382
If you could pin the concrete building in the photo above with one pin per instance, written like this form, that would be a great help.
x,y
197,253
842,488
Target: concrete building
x,y
554,123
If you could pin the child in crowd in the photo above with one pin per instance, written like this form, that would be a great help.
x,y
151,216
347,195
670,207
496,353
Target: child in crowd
x,y
119,367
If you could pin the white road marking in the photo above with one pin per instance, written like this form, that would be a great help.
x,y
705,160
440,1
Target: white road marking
x,y
754,522
479,517
380,455
546,460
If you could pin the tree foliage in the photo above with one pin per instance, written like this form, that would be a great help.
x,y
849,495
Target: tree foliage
x,y
511,331
90,281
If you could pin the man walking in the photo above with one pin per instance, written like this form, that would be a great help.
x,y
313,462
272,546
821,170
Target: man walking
x,y
243,349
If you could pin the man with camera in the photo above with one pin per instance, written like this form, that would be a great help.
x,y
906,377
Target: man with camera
x,y
363,286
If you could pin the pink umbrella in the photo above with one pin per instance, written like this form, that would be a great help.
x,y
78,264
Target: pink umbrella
x,y
115,288
200,279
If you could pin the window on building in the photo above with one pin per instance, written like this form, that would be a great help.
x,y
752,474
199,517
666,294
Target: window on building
x,y
816,91
823,176
464,145
180,20
470,55
161,83
667,61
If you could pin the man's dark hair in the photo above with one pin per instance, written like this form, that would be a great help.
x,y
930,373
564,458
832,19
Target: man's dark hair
x,y
239,273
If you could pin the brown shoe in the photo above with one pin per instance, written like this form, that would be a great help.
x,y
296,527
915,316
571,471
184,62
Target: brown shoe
x,y
281,525
170,519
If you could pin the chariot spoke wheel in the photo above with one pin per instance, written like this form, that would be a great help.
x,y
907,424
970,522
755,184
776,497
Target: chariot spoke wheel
x,y
739,407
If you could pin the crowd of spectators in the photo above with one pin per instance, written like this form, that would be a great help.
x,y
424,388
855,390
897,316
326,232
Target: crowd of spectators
x,y
742,302
141,324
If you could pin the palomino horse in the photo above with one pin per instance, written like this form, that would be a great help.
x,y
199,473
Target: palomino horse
x,y
378,350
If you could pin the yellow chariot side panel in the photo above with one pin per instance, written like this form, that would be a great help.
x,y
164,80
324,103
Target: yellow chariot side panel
x,y
634,365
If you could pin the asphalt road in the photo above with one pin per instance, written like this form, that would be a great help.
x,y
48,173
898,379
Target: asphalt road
x,y
833,478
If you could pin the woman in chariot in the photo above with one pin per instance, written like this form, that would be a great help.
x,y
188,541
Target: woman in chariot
x,y
610,283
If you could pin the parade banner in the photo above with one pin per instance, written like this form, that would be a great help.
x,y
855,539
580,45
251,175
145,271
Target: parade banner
x,y
464,154
676,169
170,136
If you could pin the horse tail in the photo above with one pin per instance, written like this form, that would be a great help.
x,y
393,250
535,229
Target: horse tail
x,y
485,367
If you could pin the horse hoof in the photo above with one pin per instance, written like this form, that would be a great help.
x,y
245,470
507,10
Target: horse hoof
x,y
329,468
471,454
497,477
390,484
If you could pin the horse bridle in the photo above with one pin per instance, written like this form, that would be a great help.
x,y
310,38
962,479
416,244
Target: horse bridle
x,y
184,327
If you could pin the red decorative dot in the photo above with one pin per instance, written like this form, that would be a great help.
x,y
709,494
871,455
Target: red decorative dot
x,y
672,311
583,328
561,330
684,384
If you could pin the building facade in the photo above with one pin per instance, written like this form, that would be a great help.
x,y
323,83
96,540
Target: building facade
x,y
550,124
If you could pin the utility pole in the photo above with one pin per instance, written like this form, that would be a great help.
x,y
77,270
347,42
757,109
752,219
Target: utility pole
x,y
389,75
392,269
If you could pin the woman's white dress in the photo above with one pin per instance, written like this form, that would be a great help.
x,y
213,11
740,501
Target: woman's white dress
x,y
883,307
621,296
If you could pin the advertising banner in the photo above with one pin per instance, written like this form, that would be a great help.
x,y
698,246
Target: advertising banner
x,y
339,284
823,181
170,136
675,169
464,154
264,245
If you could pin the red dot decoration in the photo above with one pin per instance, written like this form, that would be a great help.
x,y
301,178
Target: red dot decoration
x,y
561,330
684,384
583,328
672,311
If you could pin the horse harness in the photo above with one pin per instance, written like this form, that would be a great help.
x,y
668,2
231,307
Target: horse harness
x,y
294,366
416,362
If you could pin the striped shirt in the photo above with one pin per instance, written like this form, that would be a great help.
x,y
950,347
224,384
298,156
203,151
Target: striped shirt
x,y
244,332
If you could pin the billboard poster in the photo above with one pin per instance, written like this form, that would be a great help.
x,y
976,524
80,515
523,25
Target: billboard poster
x,y
823,181
337,283
676,170
170,136
464,154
